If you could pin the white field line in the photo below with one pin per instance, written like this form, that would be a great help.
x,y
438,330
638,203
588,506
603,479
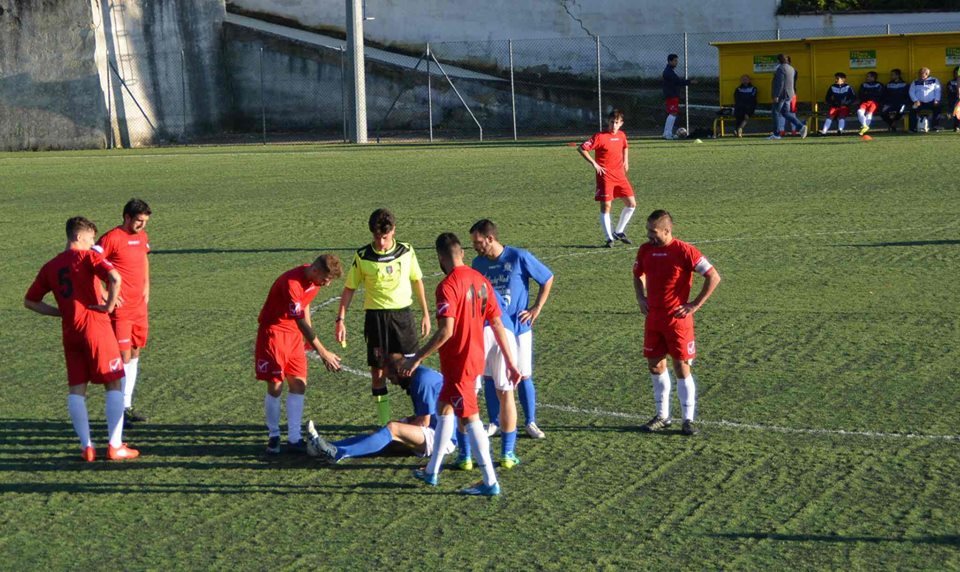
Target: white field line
x,y
759,427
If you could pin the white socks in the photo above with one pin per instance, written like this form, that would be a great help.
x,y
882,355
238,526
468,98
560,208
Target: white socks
x,y
480,442
605,225
444,433
869,117
77,406
129,381
862,116
826,125
294,416
687,391
625,215
661,392
114,407
668,126
271,407
841,123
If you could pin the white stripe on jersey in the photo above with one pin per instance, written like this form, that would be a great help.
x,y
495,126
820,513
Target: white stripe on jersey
x,y
703,266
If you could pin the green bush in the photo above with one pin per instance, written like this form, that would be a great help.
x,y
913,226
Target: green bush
x,y
807,6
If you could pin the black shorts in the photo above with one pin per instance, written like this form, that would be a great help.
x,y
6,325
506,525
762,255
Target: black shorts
x,y
389,332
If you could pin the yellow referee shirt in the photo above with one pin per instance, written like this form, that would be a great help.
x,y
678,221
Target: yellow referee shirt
x,y
386,276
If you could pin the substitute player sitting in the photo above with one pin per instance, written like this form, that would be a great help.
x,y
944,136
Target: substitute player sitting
x,y
89,345
126,247
465,300
279,354
611,165
662,277
416,432
871,97
840,98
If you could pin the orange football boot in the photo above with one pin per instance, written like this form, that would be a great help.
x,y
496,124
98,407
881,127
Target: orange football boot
x,y
121,453
89,454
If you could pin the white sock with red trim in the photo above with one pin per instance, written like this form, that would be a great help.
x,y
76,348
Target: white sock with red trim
x,y
77,406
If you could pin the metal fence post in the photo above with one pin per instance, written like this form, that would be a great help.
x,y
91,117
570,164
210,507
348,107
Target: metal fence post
x,y
263,104
429,94
888,29
778,33
513,95
599,89
343,93
686,88
183,90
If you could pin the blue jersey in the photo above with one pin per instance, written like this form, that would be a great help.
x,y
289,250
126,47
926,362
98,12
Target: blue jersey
x,y
424,389
510,275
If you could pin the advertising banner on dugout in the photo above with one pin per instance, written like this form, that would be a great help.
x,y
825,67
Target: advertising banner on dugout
x,y
863,59
764,64
953,56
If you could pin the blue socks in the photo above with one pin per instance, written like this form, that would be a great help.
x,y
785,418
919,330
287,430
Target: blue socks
x,y
463,444
493,402
528,400
361,445
508,443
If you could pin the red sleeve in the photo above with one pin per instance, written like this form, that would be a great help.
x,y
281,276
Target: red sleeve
x,y
146,241
445,297
493,307
589,143
104,246
39,288
101,266
638,264
695,261
294,298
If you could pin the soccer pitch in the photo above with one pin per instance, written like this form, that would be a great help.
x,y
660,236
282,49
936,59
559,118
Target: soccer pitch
x,y
828,366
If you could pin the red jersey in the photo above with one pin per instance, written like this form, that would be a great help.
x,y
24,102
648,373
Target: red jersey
x,y
608,151
289,299
128,253
669,270
74,278
468,297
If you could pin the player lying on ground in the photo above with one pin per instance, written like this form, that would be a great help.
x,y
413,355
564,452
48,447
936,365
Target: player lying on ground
x,y
89,344
416,432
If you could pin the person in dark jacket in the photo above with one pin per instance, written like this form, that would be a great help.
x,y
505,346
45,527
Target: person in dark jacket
x,y
896,99
871,97
840,98
953,99
744,102
672,87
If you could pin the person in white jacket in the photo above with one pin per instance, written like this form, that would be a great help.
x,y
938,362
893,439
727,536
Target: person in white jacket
x,y
925,94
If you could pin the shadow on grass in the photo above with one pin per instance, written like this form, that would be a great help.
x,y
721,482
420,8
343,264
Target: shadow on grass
x,y
949,540
371,488
944,242
250,250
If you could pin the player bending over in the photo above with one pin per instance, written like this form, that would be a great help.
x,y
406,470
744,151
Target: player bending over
x,y
662,277
279,354
89,344
416,432
465,301
611,165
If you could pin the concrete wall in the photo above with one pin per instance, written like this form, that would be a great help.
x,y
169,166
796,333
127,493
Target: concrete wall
x,y
49,86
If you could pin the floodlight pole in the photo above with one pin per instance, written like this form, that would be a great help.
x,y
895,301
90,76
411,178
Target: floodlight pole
x,y
357,80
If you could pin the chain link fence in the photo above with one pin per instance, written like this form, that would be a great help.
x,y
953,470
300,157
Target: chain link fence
x,y
264,88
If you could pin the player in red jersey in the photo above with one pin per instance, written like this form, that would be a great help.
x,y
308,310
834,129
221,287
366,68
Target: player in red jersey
x,y
126,247
90,347
662,278
465,300
611,165
279,354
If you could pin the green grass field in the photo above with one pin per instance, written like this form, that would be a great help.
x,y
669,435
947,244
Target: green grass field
x,y
828,369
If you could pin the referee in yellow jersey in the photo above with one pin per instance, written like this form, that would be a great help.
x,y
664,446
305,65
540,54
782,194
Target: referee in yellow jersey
x,y
389,272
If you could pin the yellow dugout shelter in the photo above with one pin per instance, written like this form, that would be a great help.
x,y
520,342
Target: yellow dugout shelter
x,y
817,59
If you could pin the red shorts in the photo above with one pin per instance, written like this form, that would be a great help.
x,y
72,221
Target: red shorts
x,y
462,395
839,112
666,335
608,190
131,333
869,106
93,357
279,354
672,105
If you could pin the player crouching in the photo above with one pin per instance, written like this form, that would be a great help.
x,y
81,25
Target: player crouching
x,y
89,345
417,432
662,277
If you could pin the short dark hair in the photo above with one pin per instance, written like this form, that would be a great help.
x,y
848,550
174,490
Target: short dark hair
x,y
872,73
78,224
672,57
615,114
783,58
382,221
840,75
136,207
330,264
658,215
447,243
484,227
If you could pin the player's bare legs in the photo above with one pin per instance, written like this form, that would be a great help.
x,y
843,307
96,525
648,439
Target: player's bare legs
x,y
378,387
409,435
